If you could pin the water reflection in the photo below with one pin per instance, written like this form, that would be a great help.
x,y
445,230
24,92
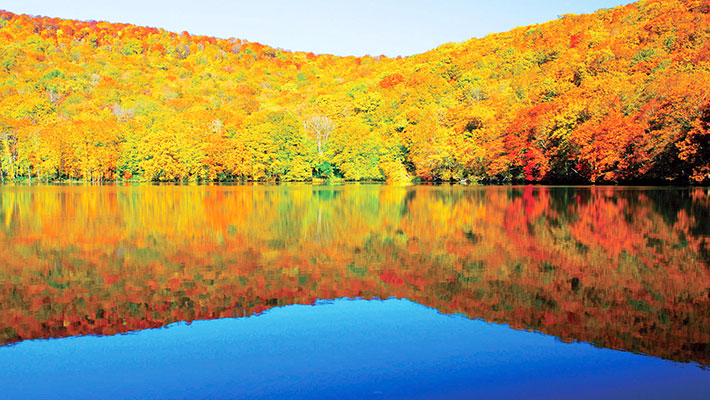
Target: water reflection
x,y
392,349
620,268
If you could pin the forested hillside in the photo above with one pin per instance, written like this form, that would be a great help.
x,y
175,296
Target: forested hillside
x,y
620,95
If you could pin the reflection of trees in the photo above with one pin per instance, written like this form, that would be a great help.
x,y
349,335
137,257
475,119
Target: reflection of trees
x,y
594,264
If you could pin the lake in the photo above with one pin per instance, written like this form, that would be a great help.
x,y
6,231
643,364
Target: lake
x,y
354,291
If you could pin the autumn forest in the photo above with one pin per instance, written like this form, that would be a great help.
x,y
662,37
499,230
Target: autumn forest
x,y
611,97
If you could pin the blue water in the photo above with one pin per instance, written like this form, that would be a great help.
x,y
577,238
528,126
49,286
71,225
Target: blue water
x,y
346,349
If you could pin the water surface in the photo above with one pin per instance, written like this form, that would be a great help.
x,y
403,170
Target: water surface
x,y
506,291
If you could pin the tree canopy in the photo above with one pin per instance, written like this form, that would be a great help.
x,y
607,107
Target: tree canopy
x,y
615,96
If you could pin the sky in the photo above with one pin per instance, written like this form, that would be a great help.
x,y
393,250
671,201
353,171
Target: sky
x,y
374,27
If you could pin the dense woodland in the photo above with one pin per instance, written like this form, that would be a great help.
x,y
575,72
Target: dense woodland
x,y
620,95
623,269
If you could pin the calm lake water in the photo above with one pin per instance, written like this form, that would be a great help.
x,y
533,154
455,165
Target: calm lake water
x,y
354,291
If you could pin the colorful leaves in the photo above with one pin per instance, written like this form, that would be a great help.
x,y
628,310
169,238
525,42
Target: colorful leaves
x,y
614,96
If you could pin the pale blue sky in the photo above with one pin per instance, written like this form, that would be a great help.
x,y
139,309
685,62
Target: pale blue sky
x,y
389,27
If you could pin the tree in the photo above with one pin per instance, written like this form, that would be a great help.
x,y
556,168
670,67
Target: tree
x,y
319,127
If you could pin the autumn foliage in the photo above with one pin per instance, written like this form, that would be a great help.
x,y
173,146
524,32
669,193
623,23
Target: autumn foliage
x,y
615,96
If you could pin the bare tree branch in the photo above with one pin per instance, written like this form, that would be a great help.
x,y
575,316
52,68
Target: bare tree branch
x,y
319,127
